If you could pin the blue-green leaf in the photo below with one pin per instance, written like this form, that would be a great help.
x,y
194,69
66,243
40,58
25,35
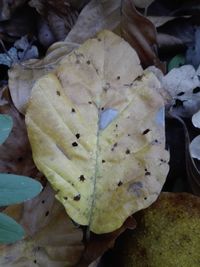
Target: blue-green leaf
x,y
10,230
16,189
176,62
6,124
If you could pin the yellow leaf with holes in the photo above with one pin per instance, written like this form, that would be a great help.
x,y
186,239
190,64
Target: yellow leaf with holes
x,y
97,132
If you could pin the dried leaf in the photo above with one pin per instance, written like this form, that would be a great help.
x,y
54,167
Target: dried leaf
x,y
134,28
183,85
142,3
140,33
59,15
196,119
16,156
23,76
193,173
8,7
77,147
98,244
167,234
52,239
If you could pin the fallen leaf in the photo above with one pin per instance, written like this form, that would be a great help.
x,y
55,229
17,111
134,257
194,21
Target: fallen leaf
x,y
59,16
183,85
22,76
99,244
51,240
193,174
142,3
78,147
167,234
196,119
130,24
16,156
8,7
140,33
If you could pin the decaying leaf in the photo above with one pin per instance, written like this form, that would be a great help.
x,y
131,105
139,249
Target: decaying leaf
x,y
99,244
96,129
52,239
15,152
23,76
59,17
184,86
167,234
125,20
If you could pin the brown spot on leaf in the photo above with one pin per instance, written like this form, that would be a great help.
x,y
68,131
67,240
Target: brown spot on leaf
x,y
77,198
82,178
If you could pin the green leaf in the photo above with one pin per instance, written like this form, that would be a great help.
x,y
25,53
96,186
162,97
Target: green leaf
x,y
175,62
6,125
16,189
10,231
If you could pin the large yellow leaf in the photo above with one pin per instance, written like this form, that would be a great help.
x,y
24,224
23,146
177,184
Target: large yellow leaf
x,y
96,133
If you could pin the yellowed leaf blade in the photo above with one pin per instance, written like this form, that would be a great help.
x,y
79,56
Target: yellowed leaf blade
x,y
96,134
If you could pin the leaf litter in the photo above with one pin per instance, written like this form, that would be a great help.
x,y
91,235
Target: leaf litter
x,y
173,31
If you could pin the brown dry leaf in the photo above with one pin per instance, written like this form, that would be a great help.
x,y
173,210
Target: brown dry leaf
x,y
52,239
140,33
23,76
8,7
59,16
134,28
16,155
98,244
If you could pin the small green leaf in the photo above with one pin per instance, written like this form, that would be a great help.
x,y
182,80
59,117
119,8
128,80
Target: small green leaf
x,y
6,124
10,230
16,189
176,62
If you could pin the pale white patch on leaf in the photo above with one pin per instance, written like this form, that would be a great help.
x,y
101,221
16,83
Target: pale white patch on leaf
x,y
106,117
195,147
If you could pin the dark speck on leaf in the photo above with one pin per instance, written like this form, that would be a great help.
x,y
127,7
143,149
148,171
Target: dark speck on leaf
x,y
102,108
43,201
120,183
88,62
116,125
77,135
77,198
47,213
103,161
66,198
99,39
82,178
90,102
127,151
145,198
147,173
146,131
74,144
58,93
196,90
118,77
73,110
35,261
180,94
